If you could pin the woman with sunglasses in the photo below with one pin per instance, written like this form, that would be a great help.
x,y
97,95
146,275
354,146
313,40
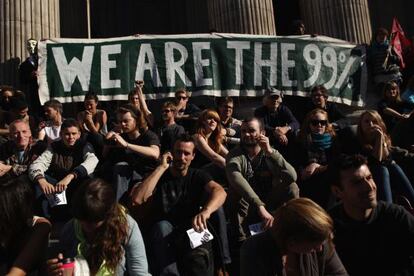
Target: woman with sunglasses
x,y
137,99
315,139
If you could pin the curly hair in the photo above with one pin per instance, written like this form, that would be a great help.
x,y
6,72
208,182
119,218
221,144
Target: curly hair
x,y
216,138
95,201
363,138
304,135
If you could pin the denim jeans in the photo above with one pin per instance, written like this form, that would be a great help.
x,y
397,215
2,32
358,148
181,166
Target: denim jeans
x,y
389,178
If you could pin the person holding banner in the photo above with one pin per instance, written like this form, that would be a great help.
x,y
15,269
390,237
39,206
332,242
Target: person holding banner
x,y
137,99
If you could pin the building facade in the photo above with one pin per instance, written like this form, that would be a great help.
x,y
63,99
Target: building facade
x,y
352,20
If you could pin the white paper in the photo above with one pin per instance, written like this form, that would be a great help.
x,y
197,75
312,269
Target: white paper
x,y
256,228
198,238
57,199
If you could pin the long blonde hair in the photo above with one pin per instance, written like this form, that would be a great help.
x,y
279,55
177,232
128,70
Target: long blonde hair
x,y
304,135
363,136
216,138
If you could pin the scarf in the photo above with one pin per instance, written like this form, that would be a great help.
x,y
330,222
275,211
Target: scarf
x,y
321,141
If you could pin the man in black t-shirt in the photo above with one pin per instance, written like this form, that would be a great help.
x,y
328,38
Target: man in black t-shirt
x,y
186,198
371,238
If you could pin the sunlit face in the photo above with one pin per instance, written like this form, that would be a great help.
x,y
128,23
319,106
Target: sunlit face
x,y
305,247
368,123
21,135
127,122
135,100
250,132
226,110
357,188
273,102
318,123
90,105
51,113
210,124
70,135
181,98
318,99
167,113
183,154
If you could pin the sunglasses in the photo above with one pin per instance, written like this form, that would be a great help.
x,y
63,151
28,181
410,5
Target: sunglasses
x,y
181,98
319,122
166,111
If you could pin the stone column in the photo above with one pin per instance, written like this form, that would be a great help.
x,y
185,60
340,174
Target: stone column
x,y
242,16
20,20
344,19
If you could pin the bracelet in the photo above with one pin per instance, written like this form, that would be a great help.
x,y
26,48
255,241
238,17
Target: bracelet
x,y
127,145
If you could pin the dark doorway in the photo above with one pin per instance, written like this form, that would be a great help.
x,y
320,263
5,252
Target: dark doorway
x,y
285,13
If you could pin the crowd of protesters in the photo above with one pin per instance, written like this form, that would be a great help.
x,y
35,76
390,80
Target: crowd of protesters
x,y
282,192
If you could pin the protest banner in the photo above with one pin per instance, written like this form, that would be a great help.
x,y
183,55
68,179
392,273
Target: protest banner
x,y
205,64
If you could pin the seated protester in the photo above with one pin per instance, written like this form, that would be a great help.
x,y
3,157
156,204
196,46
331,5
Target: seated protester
x,y
20,151
6,94
382,59
260,179
371,237
137,99
298,243
133,153
188,113
280,124
391,108
178,192
63,165
50,129
231,125
23,237
319,99
102,233
315,140
376,144
19,110
208,140
93,122
408,94
169,131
